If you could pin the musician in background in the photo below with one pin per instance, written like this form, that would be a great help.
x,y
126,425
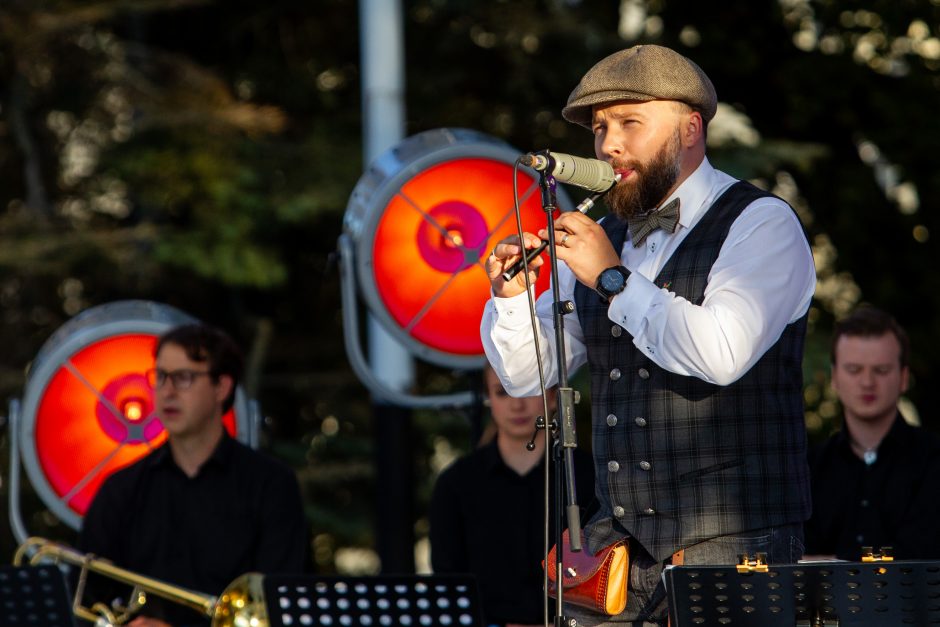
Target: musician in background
x,y
488,509
874,482
202,509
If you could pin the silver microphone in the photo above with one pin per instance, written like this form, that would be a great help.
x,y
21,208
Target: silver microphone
x,y
591,174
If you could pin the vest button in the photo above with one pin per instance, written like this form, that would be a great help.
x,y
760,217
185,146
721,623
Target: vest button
x,y
611,420
615,374
649,511
640,421
644,373
619,512
616,330
613,466
645,465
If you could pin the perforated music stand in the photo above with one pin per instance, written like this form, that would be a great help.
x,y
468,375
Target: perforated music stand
x,y
380,601
34,596
869,594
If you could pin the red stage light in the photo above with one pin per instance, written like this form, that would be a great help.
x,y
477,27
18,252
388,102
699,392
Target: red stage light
x,y
431,244
133,410
425,217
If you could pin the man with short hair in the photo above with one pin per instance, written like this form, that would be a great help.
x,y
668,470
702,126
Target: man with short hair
x,y
202,509
691,302
875,481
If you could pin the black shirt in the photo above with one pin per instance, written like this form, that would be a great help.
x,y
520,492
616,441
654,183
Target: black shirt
x,y
893,502
242,512
488,520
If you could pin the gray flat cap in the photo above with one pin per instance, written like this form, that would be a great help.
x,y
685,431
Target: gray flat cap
x,y
644,72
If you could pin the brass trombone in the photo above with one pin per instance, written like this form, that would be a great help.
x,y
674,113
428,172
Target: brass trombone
x,y
241,604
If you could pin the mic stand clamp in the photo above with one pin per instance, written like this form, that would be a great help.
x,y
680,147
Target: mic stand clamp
x,y
539,425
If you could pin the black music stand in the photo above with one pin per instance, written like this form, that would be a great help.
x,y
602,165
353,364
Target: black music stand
x,y
814,594
34,596
380,601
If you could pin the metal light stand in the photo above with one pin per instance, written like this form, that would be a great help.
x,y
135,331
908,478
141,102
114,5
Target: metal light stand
x,y
565,428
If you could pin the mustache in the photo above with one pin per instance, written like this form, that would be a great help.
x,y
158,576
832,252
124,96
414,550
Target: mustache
x,y
623,164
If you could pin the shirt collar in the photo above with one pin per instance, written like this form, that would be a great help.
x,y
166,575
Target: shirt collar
x,y
695,193
895,435
160,456
493,461
221,456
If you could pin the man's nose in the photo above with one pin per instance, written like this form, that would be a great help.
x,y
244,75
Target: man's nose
x,y
610,146
166,390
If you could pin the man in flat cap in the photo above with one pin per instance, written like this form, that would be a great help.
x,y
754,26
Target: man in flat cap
x,y
691,302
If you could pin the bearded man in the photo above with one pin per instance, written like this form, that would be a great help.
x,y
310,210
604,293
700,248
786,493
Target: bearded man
x,y
691,302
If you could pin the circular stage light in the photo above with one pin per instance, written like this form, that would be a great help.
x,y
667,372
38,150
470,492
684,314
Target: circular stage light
x,y
423,218
88,407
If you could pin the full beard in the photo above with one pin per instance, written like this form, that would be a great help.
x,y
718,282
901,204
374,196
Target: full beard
x,y
653,181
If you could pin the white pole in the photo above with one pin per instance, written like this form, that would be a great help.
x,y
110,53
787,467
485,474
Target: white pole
x,y
383,119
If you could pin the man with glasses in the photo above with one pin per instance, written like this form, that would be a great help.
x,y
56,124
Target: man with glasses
x,y
203,508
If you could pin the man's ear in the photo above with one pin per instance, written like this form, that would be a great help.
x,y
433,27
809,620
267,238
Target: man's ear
x,y
693,129
223,388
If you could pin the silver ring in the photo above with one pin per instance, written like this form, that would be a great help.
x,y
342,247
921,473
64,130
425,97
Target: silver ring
x,y
565,238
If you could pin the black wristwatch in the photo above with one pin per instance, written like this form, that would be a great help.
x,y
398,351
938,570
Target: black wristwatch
x,y
611,282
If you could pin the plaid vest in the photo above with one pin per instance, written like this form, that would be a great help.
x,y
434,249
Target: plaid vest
x,y
679,460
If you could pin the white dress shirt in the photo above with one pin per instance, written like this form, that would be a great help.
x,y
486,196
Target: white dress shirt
x,y
762,280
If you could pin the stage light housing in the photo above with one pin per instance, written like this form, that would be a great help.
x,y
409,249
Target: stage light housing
x,y
423,219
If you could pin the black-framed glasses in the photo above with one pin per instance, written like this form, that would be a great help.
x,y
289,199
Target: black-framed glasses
x,y
181,379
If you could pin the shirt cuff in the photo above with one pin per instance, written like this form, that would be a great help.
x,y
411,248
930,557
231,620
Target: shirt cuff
x,y
629,307
512,312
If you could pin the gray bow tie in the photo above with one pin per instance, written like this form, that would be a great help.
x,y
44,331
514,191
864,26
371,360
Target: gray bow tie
x,y
666,218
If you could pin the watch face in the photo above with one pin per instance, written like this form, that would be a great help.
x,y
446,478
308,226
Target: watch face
x,y
611,280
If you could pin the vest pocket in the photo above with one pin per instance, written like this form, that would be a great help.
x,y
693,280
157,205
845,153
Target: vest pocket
x,y
707,470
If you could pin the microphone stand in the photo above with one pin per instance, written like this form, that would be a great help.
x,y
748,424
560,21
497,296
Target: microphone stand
x,y
564,431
